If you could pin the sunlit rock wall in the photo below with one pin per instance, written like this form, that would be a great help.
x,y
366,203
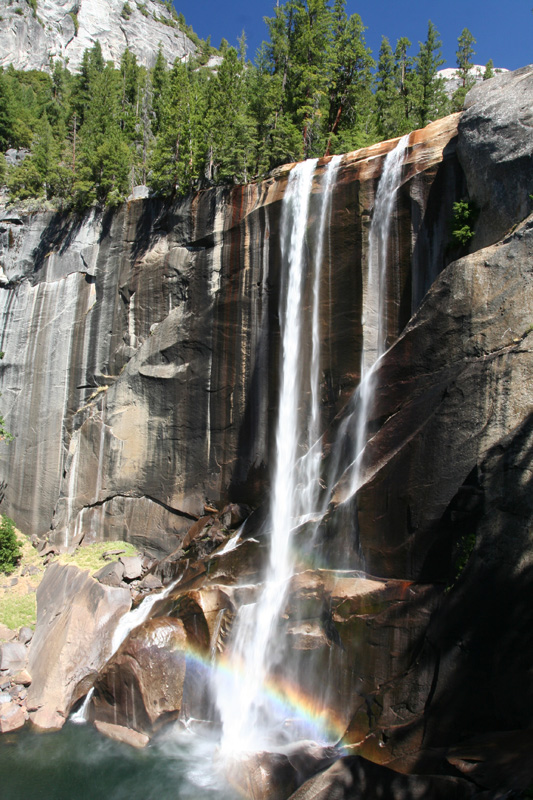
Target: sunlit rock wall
x,y
141,346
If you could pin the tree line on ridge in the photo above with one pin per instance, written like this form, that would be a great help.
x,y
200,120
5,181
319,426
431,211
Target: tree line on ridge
x,y
313,90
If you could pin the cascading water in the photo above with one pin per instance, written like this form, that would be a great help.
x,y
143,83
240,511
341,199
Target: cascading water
x,y
374,317
132,619
249,720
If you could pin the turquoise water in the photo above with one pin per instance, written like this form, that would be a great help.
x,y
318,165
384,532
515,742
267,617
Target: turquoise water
x,y
78,764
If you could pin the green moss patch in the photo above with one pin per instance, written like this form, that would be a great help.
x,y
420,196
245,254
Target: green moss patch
x,y
92,557
18,610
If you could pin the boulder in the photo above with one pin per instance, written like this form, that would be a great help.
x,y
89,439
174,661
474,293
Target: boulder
x,y
263,776
354,778
132,567
6,634
25,635
23,678
150,582
111,574
12,717
121,734
142,685
13,657
76,617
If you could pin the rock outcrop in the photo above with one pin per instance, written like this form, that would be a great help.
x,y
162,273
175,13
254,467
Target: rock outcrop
x,y
495,145
76,617
63,29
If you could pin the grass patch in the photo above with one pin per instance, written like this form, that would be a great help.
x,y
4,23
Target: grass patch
x,y
18,603
18,610
91,557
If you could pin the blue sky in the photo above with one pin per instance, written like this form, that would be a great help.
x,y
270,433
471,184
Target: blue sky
x,y
503,30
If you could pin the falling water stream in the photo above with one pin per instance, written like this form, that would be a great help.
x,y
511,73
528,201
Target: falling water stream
x,y
375,314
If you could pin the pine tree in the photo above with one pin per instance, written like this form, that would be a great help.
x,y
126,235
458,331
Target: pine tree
x,y
464,54
172,157
489,70
103,167
389,104
309,56
159,81
231,130
430,100
349,75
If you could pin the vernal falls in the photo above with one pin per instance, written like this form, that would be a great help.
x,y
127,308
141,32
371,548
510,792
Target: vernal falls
x,y
311,411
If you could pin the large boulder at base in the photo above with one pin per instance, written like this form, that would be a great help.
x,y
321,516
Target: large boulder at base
x,y
13,657
263,776
142,686
354,778
367,634
12,717
495,149
76,617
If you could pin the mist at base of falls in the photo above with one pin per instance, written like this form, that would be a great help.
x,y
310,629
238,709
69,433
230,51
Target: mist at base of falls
x,y
78,764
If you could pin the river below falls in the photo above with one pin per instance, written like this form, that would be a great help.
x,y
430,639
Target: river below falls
x,y
77,763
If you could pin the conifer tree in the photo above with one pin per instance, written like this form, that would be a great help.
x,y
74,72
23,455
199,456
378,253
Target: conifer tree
x,y
464,54
489,70
349,76
159,80
430,101
389,105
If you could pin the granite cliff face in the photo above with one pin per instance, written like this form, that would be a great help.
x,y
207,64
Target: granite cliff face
x,y
140,368
63,29
140,377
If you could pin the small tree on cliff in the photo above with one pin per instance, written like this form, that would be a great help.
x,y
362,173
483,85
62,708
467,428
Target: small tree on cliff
x,y
464,54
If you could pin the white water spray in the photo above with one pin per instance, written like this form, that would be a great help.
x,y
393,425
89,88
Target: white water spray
x,y
310,463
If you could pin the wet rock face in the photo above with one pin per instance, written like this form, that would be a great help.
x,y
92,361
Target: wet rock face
x,y
453,387
141,346
143,682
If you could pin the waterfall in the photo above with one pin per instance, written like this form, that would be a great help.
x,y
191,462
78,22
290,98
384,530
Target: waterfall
x,y
248,718
374,320
81,716
310,463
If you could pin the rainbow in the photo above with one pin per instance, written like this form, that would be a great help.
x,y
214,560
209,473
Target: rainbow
x,y
323,724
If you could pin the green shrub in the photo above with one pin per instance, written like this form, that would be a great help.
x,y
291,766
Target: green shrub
x,y
74,17
464,217
127,11
10,549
